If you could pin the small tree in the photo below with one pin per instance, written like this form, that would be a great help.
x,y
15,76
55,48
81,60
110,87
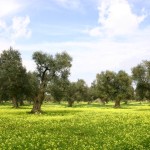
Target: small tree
x,y
105,85
81,92
70,94
122,87
93,92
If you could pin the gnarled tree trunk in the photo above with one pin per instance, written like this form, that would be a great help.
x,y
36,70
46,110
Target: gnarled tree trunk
x,y
36,106
70,102
21,102
38,103
117,103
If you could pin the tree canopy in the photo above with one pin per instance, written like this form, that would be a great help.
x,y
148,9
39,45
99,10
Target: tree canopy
x,y
141,78
49,69
12,75
113,86
51,77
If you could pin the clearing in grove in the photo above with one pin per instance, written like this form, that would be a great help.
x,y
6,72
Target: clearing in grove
x,y
83,127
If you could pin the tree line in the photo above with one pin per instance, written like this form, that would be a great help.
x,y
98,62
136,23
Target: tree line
x,y
51,80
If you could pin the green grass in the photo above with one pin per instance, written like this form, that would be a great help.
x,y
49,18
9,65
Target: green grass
x,y
83,127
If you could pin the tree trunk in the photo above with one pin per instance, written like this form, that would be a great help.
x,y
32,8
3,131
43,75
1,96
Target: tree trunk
x,y
117,103
21,102
15,102
70,103
38,103
89,102
103,101
36,106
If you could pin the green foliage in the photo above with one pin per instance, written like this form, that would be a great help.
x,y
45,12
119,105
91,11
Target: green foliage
x,y
113,86
76,91
105,85
50,70
58,89
32,85
70,95
87,127
141,77
123,85
12,75
51,77
81,93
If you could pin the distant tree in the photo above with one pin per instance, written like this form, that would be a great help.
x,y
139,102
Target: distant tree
x,y
113,86
93,92
70,94
32,85
141,78
81,93
122,87
49,69
58,88
105,85
76,91
12,76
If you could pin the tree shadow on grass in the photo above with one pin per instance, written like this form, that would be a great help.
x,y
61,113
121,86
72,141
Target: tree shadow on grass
x,y
92,105
57,112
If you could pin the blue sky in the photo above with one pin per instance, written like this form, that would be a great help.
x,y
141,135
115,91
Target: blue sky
x,y
99,34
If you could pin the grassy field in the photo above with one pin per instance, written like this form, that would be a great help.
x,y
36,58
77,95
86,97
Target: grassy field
x,y
83,127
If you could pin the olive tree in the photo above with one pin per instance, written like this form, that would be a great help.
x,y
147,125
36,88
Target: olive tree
x,y
141,78
49,69
12,76
113,86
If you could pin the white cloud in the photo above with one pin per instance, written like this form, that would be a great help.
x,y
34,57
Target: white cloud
x,y
2,25
95,31
20,27
8,7
12,27
69,3
90,58
116,18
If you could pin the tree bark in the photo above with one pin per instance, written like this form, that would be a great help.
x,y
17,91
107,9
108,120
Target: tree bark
x,y
36,106
21,102
38,103
15,102
117,104
103,101
70,103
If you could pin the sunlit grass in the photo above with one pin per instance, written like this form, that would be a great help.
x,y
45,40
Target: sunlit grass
x,y
89,127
